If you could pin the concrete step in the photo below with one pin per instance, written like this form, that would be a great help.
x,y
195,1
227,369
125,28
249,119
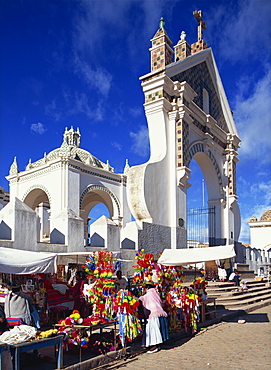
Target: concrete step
x,y
225,284
230,297
242,266
255,306
221,287
239,295
234,304
233,292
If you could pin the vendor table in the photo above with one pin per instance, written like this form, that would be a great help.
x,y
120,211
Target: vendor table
x,y
91,328
206,311
17,349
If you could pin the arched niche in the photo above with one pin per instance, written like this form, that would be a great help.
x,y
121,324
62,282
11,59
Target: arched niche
x,y
38,198
93,195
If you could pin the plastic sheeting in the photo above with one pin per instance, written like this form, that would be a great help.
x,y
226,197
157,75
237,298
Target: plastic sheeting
x,y
177,257
21,262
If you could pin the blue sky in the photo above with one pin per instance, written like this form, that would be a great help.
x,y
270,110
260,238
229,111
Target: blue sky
x,y
78,62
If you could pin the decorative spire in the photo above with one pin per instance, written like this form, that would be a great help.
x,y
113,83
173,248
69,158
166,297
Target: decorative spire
x,y
126,168
162,23
183,35
107,166
182,49
29,166
161,51
14,169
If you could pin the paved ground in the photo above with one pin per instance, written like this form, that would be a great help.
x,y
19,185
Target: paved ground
x,y
223,346
227,345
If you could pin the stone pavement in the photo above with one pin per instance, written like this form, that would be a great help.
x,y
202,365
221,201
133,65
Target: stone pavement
x,y
223,346
219,345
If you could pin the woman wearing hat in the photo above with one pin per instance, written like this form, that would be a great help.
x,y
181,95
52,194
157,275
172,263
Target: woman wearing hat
x,y
156,330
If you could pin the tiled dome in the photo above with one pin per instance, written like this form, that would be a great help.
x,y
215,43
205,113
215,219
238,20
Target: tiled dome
x,y
266,216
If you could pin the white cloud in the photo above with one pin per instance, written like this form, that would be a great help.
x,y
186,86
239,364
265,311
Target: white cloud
x,y
245,35
262,191
81,104
136,112
98,79
100,22
53,110
253,120
255,190
244,232
116,145
255,199
90,30
140,139
38,128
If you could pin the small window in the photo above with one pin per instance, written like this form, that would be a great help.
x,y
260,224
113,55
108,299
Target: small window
x,y
206,101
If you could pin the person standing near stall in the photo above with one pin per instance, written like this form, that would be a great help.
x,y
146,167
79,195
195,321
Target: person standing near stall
x,y
156,330
18,305
121,282
78,295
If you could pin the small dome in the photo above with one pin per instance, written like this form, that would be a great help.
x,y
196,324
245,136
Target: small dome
x,y
266,216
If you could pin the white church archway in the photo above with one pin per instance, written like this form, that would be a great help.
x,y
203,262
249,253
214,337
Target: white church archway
x,y
93,195
38,198
213,213
35,195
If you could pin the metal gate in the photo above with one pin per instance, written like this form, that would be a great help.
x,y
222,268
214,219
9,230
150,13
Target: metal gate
x,y
201,226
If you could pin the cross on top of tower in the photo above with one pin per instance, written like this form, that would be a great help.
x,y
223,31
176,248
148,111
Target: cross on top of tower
x,y
201,24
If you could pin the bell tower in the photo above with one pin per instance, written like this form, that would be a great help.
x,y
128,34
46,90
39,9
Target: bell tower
x,y
72,137
161,51
188,118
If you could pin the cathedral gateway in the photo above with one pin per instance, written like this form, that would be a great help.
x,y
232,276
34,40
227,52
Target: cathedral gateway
x,y
188,117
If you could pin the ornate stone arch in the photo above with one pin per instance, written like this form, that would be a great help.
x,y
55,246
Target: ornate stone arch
x,y
90,188
199,147
38,186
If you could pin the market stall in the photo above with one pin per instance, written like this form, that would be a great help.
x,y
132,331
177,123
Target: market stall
x,y
115,317
29,270
107,306
21,262
180,257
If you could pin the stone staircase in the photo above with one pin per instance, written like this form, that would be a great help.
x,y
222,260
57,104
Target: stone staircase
x,y
244,271
231,297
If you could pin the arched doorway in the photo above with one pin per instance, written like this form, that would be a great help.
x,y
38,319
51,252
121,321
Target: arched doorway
x,y
204,199
95,213
197,208
38,199
97,201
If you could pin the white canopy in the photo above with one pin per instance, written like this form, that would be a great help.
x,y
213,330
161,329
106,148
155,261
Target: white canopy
x,y
20,262
80,257
72,257
177,257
